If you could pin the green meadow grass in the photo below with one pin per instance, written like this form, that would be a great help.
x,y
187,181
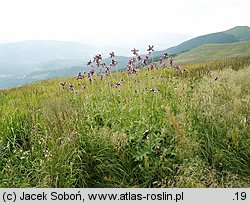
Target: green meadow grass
x,y
159,129
210,52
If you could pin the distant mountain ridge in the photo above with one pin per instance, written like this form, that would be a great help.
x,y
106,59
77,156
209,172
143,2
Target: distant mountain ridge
x,y
241,33
63,60
236,34
23,57
214,52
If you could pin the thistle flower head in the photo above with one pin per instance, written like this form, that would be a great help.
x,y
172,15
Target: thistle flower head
x,y
113,63
158,151
217,78
177,68
171,61
89,62
118,84
71,87
135,51
166,55
97,58
92,71
145,61
79,76
150,48
98,64
153,90
63,84
112,55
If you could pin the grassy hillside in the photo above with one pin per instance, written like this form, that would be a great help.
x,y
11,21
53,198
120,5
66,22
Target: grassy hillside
x,y
214,52
233,35
240,32
201,40
160,128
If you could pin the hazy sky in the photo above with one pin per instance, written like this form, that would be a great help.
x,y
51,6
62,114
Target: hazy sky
x,y
116,20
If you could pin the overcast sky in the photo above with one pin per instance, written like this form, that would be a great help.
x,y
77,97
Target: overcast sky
x,y
116,20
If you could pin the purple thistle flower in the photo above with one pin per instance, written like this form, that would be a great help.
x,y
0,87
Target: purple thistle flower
x,y
171,61
166,55
107,71
71,87
134,51
97,58
89,73
63,84
112,55
145,61
90,80
89,63
217,78
130,62
113,63
129,70
92,71
177,68
158,151
150,48
79,76
98,64
118,83
153,90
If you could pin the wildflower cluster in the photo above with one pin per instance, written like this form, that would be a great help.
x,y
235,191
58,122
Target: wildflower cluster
x,y
134,63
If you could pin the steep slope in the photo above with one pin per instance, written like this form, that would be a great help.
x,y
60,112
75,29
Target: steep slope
x,y
236,34
240,32
201,40
214,52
